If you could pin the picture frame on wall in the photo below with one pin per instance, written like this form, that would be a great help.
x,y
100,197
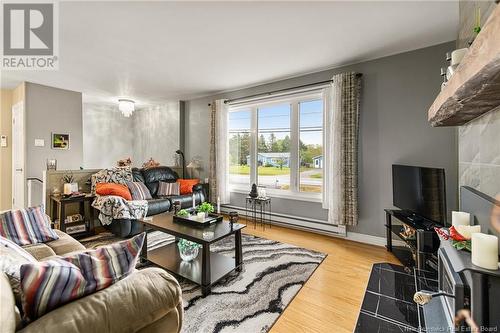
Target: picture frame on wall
x,y
60,141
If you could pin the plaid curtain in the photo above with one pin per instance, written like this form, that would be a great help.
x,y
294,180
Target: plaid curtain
x,y
212,176
341,184
219,157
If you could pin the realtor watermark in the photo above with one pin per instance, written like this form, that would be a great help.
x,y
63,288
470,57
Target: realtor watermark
x,y
30,38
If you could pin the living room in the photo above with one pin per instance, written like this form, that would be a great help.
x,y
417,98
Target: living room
x,y
200,141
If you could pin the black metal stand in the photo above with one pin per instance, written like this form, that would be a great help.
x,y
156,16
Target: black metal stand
x,y
421,241
258,210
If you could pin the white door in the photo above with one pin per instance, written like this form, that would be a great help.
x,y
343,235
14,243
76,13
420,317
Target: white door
x,y
18,147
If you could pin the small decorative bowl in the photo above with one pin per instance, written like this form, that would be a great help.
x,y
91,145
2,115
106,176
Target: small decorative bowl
x,y
188,250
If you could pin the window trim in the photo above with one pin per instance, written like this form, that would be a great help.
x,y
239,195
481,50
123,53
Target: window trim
x,y
294,101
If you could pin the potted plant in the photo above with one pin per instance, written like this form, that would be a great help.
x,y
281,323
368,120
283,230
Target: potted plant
x,y
183,213
70,186
206,208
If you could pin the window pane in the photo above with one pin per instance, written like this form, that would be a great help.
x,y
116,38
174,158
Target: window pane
x,y
239,147
273,146
311,146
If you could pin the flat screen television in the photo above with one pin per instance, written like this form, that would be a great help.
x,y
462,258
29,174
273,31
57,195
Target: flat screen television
x,y
420,191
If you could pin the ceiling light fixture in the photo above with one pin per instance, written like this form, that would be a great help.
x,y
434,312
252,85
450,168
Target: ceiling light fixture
x,y
126,106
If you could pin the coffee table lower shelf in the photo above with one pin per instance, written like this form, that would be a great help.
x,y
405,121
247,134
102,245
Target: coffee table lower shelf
x,y
168,257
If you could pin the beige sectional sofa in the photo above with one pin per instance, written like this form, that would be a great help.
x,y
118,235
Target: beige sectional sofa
x,y
149,300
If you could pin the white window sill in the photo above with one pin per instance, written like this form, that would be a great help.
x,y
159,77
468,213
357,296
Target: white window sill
x,y
281,194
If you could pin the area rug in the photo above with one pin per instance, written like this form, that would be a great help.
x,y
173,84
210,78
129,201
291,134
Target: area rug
x,y
249,301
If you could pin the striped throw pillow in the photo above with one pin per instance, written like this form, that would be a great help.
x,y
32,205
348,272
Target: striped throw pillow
x,y
49,284
26,226
12,256
139,191
165,188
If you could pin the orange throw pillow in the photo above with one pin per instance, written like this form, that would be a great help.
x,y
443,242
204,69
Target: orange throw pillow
x,y
186,185
113,189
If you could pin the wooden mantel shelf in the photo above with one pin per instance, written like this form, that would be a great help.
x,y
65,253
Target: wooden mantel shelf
x,y
474,89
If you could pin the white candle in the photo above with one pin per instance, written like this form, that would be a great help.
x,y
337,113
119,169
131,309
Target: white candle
x,y
201,216
194,201
67,188
460,218
485,251
468,230
218,205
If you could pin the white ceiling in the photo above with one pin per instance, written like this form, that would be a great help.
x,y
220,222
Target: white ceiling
x,y
160,51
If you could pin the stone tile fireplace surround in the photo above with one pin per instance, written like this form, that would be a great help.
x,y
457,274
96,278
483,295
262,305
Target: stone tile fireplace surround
x,y
479,153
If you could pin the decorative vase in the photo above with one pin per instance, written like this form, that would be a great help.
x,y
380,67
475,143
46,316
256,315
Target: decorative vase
x,y
253,193
188,250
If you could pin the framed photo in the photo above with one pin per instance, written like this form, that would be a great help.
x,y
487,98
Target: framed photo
x,y
60,141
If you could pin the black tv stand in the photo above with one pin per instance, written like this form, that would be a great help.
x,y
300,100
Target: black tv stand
x,y
420,242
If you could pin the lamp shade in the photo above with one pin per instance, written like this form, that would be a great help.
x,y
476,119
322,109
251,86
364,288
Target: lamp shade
x,y
194,165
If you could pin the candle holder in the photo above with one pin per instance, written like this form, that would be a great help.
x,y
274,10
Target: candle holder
x,y
177,207
233,218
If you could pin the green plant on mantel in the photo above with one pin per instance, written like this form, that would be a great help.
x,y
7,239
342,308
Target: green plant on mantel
x,y
205,208
477,14
477,24
68,178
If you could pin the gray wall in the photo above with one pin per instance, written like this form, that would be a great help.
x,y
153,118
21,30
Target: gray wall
x,y
51,110
157,133
397,92
150,132
108,136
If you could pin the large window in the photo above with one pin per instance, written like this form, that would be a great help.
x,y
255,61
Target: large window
x,y
278,144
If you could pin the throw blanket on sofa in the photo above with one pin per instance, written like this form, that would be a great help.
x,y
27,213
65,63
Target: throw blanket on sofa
x,y
113,207
118,175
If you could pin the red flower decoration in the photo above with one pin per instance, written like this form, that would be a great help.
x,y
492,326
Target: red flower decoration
x,y
455,235
442,233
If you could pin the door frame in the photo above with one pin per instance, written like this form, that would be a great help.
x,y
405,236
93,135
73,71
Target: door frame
x,y
18,111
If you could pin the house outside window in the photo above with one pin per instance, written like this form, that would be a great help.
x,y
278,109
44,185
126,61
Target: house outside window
x,y
278,144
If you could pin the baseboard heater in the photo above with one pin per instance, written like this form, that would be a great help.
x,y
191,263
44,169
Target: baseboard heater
x,y
295,222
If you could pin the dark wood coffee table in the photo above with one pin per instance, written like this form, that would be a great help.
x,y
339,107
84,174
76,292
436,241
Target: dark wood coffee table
x,y
208,267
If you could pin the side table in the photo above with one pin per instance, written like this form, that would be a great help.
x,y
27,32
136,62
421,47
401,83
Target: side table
x,y
59,211
258,210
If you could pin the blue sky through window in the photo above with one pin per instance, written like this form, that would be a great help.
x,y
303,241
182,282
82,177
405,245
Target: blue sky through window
x,y
311,122
276,118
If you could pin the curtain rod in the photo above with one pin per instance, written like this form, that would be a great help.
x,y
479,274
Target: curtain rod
x,y
282,90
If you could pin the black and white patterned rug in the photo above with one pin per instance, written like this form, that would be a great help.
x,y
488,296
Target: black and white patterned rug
x,y
248,301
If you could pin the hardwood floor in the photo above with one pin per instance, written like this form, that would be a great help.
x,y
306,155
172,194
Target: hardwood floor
x,y
331,298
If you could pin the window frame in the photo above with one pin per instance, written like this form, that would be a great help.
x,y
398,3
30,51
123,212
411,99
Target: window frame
x,y
294,100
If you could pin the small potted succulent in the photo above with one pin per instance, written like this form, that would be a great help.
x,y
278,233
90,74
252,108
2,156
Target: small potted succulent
x,y
206,208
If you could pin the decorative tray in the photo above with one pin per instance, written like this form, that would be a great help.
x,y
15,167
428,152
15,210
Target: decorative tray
x,y
193,219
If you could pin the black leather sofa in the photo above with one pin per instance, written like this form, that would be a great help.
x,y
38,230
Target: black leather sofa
x,y
159,204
